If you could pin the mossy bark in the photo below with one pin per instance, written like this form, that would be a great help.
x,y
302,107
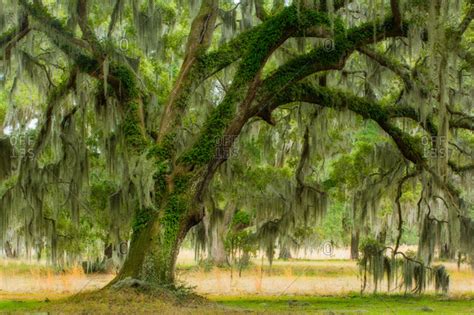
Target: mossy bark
x,y
156,239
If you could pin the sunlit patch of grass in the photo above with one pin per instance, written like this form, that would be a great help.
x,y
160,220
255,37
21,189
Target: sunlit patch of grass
x,y
132,301
353,303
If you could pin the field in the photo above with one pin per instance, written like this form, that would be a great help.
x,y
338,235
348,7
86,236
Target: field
x,y
326,286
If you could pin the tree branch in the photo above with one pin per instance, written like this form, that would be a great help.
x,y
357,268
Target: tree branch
x,y
115,15
11,37
394,5
199,40
87,32
53,28
260,10
408,146
399,207
401,70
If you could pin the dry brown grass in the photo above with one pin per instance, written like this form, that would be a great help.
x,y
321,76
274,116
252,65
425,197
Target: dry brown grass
x,y
301,277
296,277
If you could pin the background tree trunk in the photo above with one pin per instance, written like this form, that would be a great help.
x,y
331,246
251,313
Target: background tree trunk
x,y
218,232
285,253
355,244
217,253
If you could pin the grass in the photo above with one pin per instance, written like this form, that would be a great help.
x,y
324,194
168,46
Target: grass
x,y
284,268
296,286
17,306
126,301
372,304
122,302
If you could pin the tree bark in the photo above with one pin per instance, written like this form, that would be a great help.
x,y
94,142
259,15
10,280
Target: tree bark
x,y
355,244
217,253
218,231
156,240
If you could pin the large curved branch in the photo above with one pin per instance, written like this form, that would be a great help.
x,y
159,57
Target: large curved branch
x,y
319,59
326,58
288,23
400,69
326,97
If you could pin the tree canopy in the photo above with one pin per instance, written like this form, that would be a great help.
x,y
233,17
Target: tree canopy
x,y
281,122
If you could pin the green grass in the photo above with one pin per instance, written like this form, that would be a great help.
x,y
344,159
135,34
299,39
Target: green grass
x,y
373,304
348,304
16,306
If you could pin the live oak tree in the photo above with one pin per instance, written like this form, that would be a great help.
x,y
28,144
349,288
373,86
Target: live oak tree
x,y
160,91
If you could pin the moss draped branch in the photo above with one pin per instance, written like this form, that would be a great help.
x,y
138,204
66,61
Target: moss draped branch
x,y
409,146
13,35
317,60
323,59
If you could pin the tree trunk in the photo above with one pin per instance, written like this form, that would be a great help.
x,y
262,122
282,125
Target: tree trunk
x,y
218,232
8,250
285,252
355,244
217,253
157,236
150,259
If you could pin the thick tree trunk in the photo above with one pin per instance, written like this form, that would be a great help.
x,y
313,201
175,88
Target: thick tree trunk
x,y
154,248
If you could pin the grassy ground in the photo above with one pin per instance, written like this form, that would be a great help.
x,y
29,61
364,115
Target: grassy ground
x,y
288,287
125,302
352,304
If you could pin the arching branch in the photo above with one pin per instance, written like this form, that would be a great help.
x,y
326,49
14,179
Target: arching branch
x,y
53,28
319,59
368,109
